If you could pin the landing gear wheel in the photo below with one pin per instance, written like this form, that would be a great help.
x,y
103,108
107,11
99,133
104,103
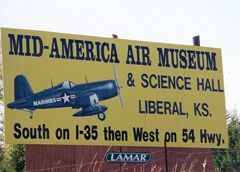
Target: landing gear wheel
x,y
31,117
101,116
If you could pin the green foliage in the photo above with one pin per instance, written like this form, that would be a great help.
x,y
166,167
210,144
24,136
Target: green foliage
x,y
1,153
17,155
5,165
229,159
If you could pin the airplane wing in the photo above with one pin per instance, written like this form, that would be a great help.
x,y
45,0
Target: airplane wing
x,y
89,104
86,100
91,110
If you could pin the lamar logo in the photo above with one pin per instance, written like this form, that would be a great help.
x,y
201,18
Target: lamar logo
x,y
127,157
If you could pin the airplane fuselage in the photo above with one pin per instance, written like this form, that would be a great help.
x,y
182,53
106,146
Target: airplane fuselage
x,y
75,97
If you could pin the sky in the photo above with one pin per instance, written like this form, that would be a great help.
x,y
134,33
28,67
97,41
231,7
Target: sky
x,y
164,21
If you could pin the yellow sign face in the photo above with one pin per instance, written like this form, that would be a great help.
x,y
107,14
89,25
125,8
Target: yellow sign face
x,y
81,90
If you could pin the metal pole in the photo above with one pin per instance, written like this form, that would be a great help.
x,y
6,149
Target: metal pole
x,y
114,36
166,163
196,40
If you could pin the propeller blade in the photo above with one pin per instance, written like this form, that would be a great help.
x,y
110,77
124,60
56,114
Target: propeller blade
x,y
115,73
121,99
119,86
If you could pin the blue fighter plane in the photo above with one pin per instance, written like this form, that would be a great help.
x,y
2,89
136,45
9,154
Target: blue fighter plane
x,y
66,94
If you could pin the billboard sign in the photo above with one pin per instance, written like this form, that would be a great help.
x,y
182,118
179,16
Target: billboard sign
x,y
82,90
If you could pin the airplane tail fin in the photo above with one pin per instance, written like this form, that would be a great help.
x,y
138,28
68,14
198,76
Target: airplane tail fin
x,y
22,87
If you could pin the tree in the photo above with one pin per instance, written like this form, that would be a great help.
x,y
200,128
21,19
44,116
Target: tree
x,y
12,157
18,157
229,159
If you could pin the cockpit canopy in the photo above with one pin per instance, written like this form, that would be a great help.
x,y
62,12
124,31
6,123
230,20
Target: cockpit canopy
x,y
67,84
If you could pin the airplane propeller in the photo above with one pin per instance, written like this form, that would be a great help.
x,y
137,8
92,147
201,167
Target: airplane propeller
x,y
119,86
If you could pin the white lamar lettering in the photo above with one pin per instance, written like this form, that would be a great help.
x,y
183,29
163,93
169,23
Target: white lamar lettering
x,y
136,158
129,157
43,102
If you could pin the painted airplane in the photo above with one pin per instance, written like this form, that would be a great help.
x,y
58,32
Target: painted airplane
x,y
66,94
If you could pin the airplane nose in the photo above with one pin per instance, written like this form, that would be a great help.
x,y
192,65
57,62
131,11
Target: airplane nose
x,y
111,88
